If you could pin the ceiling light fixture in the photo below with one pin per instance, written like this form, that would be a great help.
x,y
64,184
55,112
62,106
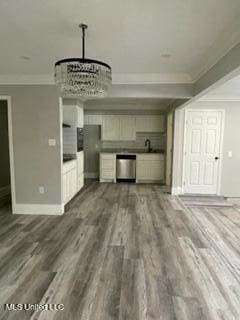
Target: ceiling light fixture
x,y
83,78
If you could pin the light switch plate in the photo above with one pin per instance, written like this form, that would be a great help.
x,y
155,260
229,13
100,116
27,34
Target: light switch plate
x,y
51,142
229,154
41,189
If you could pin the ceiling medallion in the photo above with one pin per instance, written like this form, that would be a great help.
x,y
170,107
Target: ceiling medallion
x,y
83,78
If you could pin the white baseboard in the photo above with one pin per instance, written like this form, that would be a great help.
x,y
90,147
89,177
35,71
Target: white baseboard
x,y
176,191
38,209
5,191
91,175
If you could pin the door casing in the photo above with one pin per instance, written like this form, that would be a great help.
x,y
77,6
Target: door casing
x,y
222,111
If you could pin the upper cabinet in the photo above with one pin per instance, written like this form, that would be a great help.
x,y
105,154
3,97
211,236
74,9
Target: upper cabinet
x,y
93,119
118,128
73,115
153,123
127,128
80,118
110,128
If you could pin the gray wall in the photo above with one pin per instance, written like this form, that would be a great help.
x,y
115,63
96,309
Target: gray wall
x,y
35,119
4,148
230,184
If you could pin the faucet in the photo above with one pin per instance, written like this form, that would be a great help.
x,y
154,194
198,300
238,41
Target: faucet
x,y
148,144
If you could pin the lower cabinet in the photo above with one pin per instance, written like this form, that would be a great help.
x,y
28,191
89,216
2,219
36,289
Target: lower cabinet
x,y
150,167
80,170
69,180
73,177
107,167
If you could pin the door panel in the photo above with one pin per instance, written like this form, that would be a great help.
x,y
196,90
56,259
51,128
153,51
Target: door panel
x,y
203,134
196,141
195,173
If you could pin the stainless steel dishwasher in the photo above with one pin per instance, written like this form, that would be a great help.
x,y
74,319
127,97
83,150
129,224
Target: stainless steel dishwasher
x,y
126,167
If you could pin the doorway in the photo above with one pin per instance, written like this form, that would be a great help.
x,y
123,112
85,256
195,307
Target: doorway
x,y
202,151
7,186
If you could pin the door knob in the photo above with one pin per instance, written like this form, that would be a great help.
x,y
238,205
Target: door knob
x,y
216,158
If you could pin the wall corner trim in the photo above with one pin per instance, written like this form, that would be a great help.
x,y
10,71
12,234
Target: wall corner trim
x,y
38,209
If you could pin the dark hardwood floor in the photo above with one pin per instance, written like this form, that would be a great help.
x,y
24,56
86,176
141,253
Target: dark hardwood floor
x,y
126,252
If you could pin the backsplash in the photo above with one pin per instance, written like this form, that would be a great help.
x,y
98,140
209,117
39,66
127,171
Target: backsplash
x,y
158,141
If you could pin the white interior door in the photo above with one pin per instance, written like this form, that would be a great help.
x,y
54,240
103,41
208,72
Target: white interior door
x,y
202,151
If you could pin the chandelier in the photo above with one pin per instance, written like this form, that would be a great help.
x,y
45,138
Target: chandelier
x,y
83,78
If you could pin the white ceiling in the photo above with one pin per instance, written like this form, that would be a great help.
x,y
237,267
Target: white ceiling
x,y
131,36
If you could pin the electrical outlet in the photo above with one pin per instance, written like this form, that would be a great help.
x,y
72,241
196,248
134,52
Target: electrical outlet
x,y
51,142
41,189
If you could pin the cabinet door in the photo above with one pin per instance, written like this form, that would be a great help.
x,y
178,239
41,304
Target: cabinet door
x,y
80,170
110,129
80,182
127,128
107,174
107,167
70,115
80,118
64,188
80,163
150,170
150,123
73,182
68,185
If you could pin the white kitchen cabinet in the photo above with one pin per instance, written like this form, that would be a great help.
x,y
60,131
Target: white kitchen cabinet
x,y
150,167
93,119
80,170
80,118
119,128
65,188
127,128
110,128
154,123
73,115
69,180
107,167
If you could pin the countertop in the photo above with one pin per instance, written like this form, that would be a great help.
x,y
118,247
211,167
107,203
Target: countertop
x,y
131,151
68,160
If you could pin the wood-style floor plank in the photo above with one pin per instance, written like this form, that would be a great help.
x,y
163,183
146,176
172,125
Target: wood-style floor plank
x,y
124,252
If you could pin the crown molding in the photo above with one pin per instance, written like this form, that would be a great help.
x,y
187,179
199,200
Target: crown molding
x,y
16,79
220,98
118,78
151,78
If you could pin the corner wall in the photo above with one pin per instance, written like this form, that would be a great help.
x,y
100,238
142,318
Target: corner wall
x,y
35,119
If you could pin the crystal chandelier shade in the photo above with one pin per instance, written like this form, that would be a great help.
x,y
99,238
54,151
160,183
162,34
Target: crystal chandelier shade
x,y
83,78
